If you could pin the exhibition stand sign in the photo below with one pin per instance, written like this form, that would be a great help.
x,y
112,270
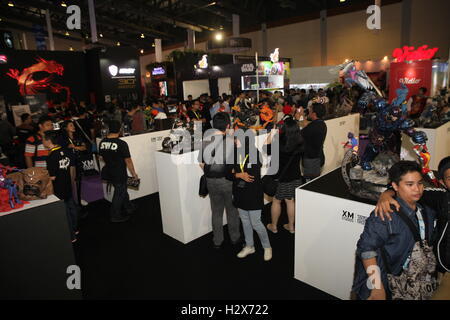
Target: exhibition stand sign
x,y
329,222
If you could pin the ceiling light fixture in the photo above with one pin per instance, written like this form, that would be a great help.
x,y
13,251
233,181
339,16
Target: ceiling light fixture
x,y
118,43
63,4
10,4
67,33
71,49
219,36
142,36
101,35
142,51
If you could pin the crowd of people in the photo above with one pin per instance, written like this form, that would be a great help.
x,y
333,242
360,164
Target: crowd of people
x,y
67,133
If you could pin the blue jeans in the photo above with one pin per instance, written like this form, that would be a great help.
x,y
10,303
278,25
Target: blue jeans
x,y
251,220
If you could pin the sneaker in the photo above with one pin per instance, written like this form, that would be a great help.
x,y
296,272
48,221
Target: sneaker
x,y
245,252
267,254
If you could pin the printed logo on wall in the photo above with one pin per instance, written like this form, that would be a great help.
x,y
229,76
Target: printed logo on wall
x,y
114,70
352,217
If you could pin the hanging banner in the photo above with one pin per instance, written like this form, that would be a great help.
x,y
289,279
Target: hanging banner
x,y
414,75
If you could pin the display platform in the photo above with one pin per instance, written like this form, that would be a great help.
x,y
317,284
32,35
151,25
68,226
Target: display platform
x,y
329,222
142,149
35,252
185,215
438,145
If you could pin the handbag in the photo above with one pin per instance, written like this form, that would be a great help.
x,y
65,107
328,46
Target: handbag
x,y
270,183
418,281
203,188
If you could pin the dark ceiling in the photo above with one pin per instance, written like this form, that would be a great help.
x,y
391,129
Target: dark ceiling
x,y
126,20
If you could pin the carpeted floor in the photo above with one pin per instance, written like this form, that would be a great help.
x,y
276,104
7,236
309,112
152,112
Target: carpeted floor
x,y
135,260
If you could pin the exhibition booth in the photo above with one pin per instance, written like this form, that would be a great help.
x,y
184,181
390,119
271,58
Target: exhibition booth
x,y
186,216
216,74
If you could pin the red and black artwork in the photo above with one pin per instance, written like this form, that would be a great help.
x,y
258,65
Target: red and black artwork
x,y
41,77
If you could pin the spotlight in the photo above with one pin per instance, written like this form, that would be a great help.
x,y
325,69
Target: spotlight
x,y
10,4
142,51
153,45
71,49
142,36
101,35
219,36
118,43
67,33
63,4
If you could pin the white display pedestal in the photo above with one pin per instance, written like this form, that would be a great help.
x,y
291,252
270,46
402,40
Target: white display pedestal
x,y
142,149
328,226
438,145
185,215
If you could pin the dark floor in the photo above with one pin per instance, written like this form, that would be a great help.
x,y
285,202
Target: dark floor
x,y
135,260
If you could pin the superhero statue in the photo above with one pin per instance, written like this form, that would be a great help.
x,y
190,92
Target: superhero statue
x,y
369,178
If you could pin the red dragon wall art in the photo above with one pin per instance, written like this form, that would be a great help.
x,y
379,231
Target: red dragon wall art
x,y
40,77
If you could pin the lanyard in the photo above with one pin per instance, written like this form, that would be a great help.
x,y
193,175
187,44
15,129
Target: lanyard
x,y
71,141
196,115
54,149
242,164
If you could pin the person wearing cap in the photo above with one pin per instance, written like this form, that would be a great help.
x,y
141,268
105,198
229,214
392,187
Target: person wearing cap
x,y
439,200
288,113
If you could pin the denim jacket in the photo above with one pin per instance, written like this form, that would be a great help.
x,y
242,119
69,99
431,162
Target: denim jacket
x,y
397,240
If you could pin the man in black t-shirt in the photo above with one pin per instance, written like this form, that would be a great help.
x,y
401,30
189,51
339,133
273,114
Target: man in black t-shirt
x,y
61,168
314,136
116,154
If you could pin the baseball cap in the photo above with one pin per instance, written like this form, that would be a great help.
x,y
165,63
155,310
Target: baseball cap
x,y
287,109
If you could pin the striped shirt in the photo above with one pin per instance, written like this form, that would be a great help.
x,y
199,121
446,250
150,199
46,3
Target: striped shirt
x,y
35,149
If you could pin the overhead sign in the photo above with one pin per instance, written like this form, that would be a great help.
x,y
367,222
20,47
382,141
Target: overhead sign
x,y
248,67
158,71
409,54
275,56
114,70
203,63
414,75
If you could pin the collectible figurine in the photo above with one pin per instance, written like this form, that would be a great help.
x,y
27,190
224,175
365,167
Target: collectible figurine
x,y
10,185
369,178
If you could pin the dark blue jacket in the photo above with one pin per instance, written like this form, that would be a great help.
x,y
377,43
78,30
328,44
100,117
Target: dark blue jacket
x,y
397,240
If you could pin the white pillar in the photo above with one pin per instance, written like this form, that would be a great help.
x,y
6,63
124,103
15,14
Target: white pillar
x,y
158,50
92,21
49,30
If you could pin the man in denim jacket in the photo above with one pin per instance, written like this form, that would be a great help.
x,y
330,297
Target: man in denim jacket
x,y
394,236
